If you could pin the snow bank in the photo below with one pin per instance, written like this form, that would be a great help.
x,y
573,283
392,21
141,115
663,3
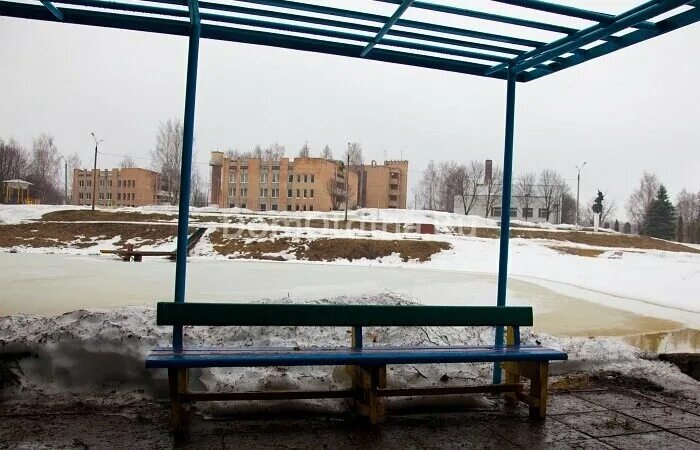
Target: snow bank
x,y
14,214
97,350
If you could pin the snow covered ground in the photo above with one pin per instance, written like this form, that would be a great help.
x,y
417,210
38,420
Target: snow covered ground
x,y
104,350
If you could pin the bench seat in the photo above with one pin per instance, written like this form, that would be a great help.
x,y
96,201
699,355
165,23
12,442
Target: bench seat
x,y
367,356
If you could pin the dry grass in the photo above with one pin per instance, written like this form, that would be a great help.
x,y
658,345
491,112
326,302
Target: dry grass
x,y
241,244
613,240
82,215
80,235
587,252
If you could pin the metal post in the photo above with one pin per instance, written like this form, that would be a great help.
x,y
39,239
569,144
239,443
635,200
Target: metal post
x,y
94,178
578,188
505,208
186,168
347,175
65,181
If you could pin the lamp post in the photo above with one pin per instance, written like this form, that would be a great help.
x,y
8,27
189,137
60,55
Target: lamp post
x,y
578,188
94,171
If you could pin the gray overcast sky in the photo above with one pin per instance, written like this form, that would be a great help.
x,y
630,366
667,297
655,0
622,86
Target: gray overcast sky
x,y
634,110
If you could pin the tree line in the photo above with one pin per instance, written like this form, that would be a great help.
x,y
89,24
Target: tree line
x,y
42,165
653,214
473,187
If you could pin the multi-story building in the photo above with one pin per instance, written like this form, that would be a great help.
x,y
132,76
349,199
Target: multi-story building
x,y
116,187
304,184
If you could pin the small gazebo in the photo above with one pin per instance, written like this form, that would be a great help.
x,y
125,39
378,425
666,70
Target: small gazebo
x,y
20,188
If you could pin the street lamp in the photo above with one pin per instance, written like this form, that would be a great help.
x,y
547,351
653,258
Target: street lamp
x,y
578,188
94,170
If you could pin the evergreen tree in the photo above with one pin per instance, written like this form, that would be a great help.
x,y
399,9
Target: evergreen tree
x,y
627,228
616,227
679,230
660,217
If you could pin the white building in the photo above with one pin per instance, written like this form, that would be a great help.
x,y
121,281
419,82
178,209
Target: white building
x,y
529,210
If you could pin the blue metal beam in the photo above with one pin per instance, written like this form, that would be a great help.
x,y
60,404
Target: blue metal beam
x,y
55,11
665,26
595,33
389,23
186,169
590,34
571,11
505,207
488,16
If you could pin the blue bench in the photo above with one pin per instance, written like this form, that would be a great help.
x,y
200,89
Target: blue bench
x,y
366,365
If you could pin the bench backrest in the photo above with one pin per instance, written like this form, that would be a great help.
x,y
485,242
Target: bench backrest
x,y
270,314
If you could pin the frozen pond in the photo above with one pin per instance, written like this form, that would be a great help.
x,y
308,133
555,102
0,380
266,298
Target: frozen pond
x,y
53,284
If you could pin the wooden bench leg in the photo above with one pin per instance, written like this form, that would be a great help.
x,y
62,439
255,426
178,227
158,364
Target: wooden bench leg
x,y
366,381
177,382
512,371
538,390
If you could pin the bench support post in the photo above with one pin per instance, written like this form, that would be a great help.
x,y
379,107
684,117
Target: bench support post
x,y
538,390
512,371
368,402
177,382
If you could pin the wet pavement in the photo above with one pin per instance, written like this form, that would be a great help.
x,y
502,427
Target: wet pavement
x,y
601,418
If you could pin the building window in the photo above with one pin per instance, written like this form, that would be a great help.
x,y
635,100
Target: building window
x,y
543,213
133,183
274,207
527,212
311,207
119,195
243,205
119,183
496,211
275,177
298,178
244,175
80,195
89,183
263,192
289,207
304,207
88,195
513,212
298,193
312,177
109,183
306,178
312,194
297,207
244,193
232,192
109,196
291,178
304,193
263,176
275,193
263,207
81,183
232,177
289,193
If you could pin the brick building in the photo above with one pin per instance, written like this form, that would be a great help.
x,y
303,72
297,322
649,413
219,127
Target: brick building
x,y
304,184
116,187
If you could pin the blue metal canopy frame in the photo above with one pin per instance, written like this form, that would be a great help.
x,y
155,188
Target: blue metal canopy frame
x,y
437,43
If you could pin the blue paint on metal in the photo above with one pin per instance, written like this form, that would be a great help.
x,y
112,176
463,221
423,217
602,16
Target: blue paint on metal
x,y
357,338
186,169
570,11
372,356
55,11
441,47
505,207
389,23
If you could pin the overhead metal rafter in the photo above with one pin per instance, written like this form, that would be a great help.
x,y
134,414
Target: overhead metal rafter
x,y
390,38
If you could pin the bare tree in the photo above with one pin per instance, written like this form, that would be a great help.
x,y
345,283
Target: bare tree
x,y
167,156
305,151
257,152
449,177
356,157
688,210
551,188
273,152
198,197
14,162
568,207
429,187
641,198
492,190
44,169
127,162
609,209
327,154
73,161
335,186
469,180
525,191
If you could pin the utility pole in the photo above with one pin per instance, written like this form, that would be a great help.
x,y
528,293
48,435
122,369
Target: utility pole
x,y
578,189
94,171
347,175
